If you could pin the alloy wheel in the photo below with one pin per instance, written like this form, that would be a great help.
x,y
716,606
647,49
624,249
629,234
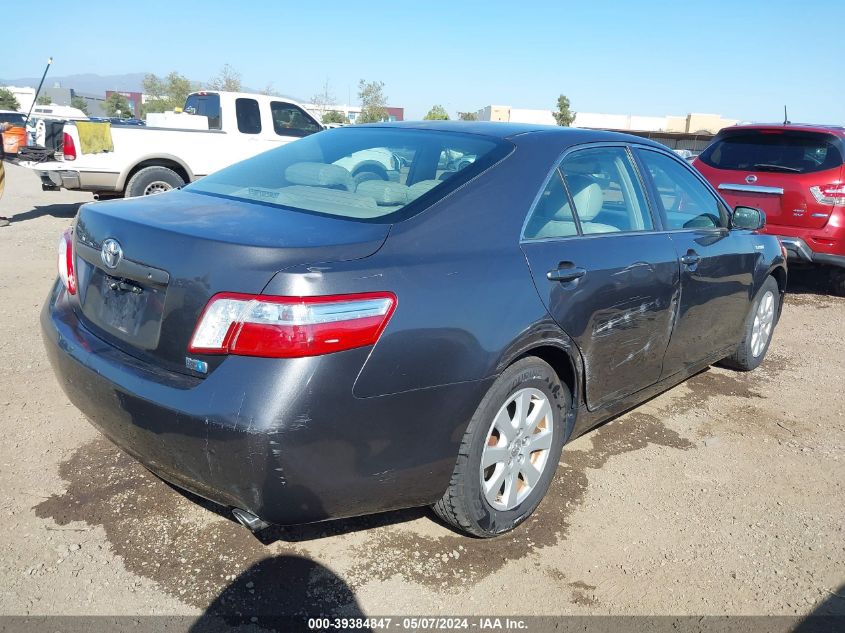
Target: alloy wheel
x,y
516,451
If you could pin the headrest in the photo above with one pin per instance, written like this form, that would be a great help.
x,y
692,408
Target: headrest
x,y
586,194
384,193
319,175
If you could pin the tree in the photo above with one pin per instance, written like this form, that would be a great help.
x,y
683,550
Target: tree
x,y
333,116
79,103
166,93
437,113
8,101
564,116
43,100
228,80
270,91
117,105
324,98
373,102
467,116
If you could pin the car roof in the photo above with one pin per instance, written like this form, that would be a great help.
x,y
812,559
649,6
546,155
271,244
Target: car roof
x,y
511,131
836,130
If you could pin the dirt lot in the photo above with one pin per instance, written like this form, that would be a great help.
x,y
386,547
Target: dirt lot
x,y
723,496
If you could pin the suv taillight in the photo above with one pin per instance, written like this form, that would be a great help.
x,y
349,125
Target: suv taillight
x,y
68,147
290,327
65,261
831,194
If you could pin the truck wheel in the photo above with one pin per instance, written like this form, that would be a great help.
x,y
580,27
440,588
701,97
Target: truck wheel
x,y
759,328
152,180
509,453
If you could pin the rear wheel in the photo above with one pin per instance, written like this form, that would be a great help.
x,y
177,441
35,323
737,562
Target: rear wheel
x,y
759,327
509,452
152,180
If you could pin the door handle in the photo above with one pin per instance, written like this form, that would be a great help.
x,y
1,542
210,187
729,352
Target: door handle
x,y
691,258
568,273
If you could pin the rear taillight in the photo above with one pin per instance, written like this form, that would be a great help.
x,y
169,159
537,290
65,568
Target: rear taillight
x,y
65,261
290,327
831,194
68,147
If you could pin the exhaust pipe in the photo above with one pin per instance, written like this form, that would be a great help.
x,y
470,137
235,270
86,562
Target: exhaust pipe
x,y
249,520
106,196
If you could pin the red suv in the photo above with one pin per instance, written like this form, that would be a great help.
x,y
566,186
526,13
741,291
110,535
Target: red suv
x,y
795,173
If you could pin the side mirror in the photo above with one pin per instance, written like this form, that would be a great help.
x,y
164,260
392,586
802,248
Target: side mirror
x,y
748,218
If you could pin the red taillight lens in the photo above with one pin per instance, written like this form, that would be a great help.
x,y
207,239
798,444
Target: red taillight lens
x,y
68,147
831,194
65,261
290,327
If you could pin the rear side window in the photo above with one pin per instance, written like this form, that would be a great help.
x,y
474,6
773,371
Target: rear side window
x,y
207,105
685,201
606,191
777,151
290,120
552,215
248,115
368,174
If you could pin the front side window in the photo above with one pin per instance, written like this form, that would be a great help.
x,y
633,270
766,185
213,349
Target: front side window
x,y
606,191
552,215
248,115
685,201
290,120
369,174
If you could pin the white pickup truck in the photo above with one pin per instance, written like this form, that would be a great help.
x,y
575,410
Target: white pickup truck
x,y
215,129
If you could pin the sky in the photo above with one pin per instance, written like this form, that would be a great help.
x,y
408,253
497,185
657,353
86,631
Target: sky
x,y
743,59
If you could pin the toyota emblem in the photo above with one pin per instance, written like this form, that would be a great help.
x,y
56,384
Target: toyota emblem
x,y
111,253
751,179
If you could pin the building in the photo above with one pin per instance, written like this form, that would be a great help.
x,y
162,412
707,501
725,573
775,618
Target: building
x,y
693,123
58,96
135,99
351,112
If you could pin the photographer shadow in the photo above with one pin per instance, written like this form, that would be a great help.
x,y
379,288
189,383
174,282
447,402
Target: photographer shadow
x,y
280,593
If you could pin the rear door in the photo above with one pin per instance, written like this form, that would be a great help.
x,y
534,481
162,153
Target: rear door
x,y
607,278
716,264
776,171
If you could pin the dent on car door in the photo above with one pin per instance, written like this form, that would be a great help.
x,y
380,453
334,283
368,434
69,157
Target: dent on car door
x,y
607,278
716,264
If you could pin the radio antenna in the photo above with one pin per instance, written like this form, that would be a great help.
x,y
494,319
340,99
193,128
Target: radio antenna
x,y
785,117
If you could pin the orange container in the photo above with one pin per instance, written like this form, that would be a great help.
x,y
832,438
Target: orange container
x,y
13,139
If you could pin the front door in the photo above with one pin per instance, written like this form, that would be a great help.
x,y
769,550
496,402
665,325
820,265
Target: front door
x,y
716,265
607,278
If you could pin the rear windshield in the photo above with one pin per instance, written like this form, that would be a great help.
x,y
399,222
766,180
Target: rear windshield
x,y
14,118
367,174
205,105
787,152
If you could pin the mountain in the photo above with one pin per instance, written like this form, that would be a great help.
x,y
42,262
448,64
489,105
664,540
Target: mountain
x,y
88,83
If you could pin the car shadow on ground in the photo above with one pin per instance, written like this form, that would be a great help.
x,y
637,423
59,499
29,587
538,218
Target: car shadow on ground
x,y
810,281
280,593
65,210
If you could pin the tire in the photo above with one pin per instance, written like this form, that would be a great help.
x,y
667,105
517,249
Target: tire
x,y
369,173
465,505
152,180
837,282
751,350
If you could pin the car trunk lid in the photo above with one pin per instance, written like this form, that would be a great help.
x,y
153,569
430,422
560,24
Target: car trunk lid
x,y
146,267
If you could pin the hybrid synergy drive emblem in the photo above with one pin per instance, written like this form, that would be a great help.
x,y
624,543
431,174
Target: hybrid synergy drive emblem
x,y
111,253
750,179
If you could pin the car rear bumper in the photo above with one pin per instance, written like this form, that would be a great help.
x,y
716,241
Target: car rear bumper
x,y
77,179
799,251
814,246
284,439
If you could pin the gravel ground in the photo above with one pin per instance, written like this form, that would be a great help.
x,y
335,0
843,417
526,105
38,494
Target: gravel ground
x,y
724,495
